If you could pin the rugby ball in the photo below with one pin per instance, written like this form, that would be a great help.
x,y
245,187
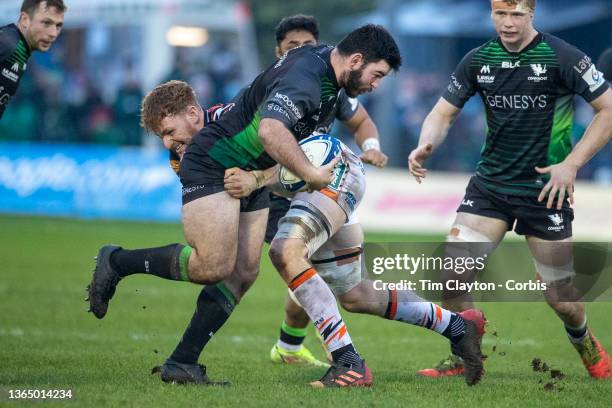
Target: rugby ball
x,y
320,150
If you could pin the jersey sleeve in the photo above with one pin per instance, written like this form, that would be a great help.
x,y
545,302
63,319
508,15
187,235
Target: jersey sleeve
x,y
578,72
462,85
292,95
347,107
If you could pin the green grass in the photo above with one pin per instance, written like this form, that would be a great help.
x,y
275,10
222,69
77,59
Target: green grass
x,y
48,341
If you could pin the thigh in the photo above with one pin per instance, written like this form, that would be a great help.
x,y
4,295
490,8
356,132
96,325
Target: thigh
x,y
278,208
551,253
251,230
493,229
210,225
533,219
338,261
482,211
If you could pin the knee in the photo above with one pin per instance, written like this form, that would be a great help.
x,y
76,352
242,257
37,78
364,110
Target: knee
x,y
247,278
283,251
208,274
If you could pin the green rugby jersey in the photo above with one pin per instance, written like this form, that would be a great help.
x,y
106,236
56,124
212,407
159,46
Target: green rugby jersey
x,y
14,55
300,90
528,97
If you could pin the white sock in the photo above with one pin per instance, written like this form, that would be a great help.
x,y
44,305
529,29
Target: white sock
x,y
407,306
320,304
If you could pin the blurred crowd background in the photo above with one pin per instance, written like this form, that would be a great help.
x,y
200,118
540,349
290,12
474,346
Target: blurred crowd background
x,y
88,88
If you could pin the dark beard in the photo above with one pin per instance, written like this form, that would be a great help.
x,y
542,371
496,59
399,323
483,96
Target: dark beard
x,y
352,83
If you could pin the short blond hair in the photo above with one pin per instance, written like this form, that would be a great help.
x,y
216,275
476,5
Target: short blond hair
x,y
528,3
168,99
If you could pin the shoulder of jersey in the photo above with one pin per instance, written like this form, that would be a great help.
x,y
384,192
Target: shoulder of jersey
x,y
9,37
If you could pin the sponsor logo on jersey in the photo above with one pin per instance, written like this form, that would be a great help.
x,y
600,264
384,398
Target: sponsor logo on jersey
x,y
280,61
485,79
510,64
538,71
469,203
289,104
517,101
557,220
455,84
10,75
593,78
583,65
15,67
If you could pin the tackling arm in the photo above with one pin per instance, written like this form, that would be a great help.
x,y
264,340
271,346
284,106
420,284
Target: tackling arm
x,y
280,144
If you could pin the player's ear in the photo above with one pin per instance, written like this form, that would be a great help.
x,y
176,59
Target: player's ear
x,y
277,51
356,60
24,19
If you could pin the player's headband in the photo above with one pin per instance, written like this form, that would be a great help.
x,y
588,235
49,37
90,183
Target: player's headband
x,y
505,5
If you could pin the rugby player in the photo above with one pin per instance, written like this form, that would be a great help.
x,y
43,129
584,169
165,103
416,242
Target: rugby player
x,y
338,260
291,32
40,23
527,80
225,242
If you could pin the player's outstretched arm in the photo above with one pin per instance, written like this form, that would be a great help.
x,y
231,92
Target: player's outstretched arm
x,y
563,175
434,131
366,136
280,144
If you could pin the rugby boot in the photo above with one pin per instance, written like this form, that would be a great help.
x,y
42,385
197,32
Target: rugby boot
x,y
339,376
468,348
104,282
303,356
180,373
595,359
453,365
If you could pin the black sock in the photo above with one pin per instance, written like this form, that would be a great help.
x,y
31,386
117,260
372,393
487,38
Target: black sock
x,y
346,356
214,306
291,335
456,328
576,333
168,262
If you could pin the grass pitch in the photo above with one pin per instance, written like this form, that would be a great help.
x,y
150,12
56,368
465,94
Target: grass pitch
x,y
49,341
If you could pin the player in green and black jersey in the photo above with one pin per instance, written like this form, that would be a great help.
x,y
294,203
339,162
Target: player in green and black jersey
x,y
284,104
527,81
39,25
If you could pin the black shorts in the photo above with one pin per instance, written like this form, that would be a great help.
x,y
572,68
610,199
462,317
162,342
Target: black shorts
x,y
530,216
278,208
201,176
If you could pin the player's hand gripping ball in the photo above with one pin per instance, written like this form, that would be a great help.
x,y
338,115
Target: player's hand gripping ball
x,y
320,150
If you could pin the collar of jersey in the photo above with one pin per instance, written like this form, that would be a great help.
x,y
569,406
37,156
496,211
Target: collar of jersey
x,y
536,40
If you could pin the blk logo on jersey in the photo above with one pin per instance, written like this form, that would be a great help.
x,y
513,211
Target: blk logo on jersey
x,y
469,203
510,64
